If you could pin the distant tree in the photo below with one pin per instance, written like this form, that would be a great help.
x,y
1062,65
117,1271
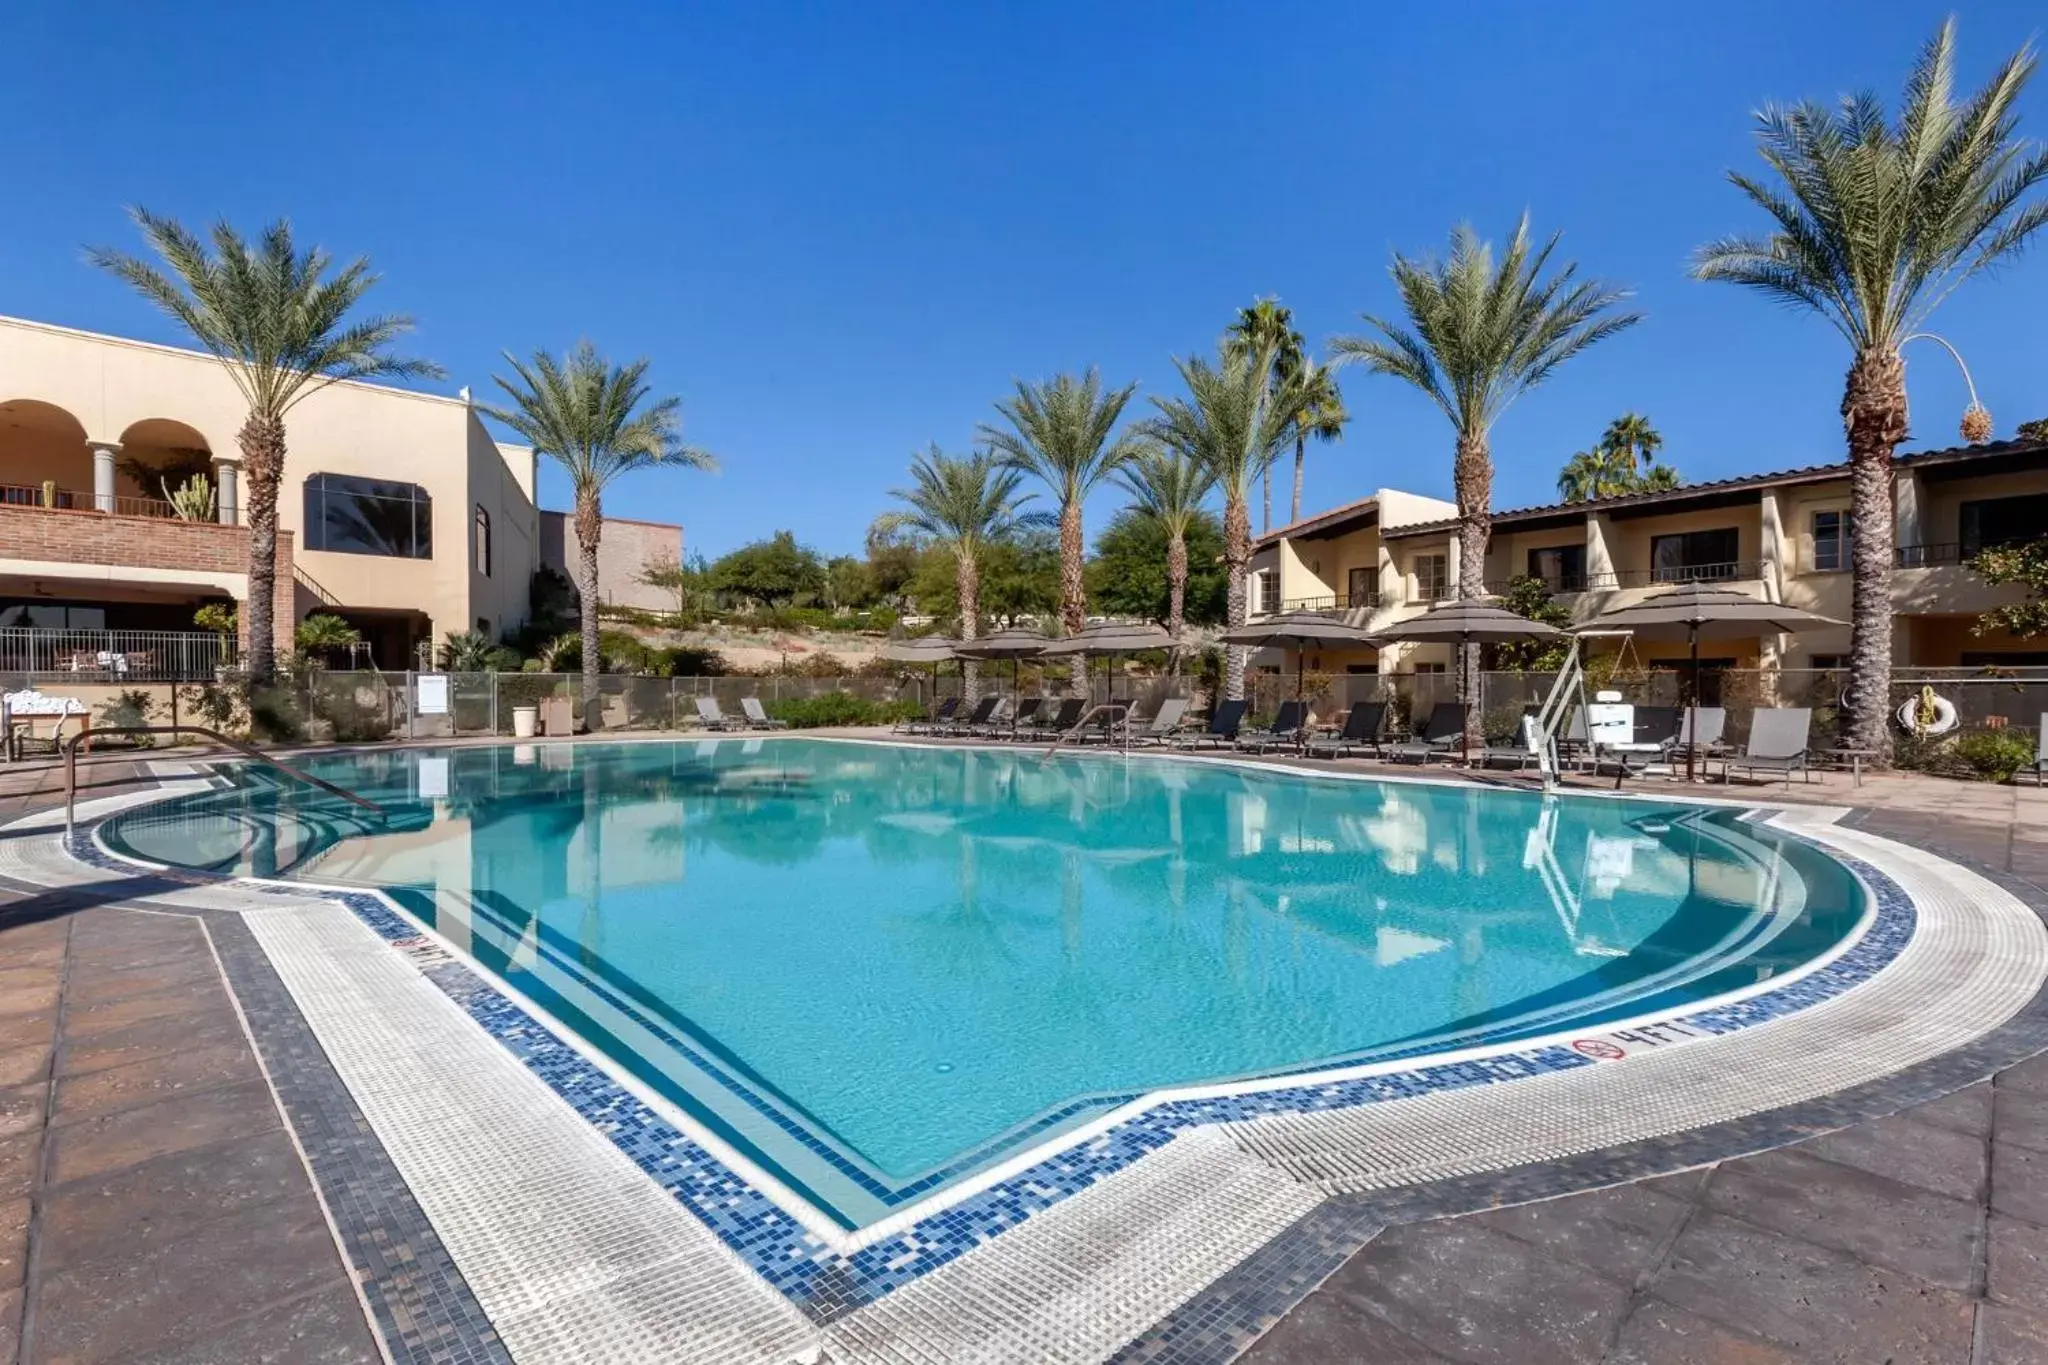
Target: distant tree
x,y
1130,575
277,321
893,557
1267,327
848,584
689,580
1170,488
1623,461
773,572
2036,430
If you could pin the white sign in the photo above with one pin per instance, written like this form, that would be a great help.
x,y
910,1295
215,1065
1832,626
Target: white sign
x,y
432,690
433,779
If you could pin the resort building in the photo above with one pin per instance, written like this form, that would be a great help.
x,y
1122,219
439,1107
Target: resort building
x,y
399,511
1783,536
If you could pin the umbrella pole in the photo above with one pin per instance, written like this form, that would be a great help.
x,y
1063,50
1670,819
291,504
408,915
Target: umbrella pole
x,y
1692,720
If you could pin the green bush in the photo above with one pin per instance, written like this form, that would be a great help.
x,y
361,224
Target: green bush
x,y
840,708
131,706
1995,755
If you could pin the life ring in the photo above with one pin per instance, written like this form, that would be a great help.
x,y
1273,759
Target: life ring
x,y
1945,718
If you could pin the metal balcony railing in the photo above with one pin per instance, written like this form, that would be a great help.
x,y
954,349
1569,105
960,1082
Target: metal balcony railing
x,y
117,655
1927,556
1557,587
1734,572
75,500
1336,602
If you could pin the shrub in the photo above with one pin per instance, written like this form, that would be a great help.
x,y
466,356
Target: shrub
x,y
840,708
1995,755
130,707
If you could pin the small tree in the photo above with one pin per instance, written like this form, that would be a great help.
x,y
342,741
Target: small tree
x,y
323,632
1529,596
2036,430
689,580
773,572
2026,565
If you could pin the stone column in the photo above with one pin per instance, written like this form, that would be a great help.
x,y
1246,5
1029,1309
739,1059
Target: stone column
x,y
1599,559
1911,526
1774,545
103,453
228,484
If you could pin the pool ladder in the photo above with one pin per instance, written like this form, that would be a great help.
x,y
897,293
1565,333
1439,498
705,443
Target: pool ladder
x,y
248,751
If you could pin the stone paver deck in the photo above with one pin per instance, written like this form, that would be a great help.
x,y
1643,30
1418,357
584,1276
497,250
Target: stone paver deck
x,y
154,1205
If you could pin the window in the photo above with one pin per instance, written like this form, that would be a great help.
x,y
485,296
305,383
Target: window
x,y
1695,556
1828,662
1830,541
1362,588
1432,577
1269,592
482,548
352,516
1561,567
1362,670
1430,668
2002,521
51,616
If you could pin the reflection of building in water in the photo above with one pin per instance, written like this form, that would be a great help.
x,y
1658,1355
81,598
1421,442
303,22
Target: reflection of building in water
x,y
1401,834
1247,823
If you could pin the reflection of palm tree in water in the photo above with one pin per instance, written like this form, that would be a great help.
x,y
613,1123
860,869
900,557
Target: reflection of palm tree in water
x,y
1070,906
590,929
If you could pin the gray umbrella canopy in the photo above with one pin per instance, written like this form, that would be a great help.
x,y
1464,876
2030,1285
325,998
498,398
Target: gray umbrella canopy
x,y
1114,637
1469,621
1701,611
930,649
1296,628
1014,643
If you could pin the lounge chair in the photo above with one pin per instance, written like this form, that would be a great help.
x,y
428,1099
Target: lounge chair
x,y
1655,735
1713,721
711,718
1105,720
1026,715
934,722
1361,731
1285,730
1224,722
976,718
758,717
1777,743
1511,749
1165,721
1063,718
994,725
1444,728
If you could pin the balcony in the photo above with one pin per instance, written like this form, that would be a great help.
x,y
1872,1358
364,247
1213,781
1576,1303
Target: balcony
x,y
1734,572
1337,602
52,498
116,656
1557,587
1929,556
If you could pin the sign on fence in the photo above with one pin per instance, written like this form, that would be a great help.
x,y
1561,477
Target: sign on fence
x,y
432,694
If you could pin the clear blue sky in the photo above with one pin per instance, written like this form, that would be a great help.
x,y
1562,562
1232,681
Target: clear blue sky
x,y
840,230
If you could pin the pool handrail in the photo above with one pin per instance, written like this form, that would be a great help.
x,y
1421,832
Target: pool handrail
x,y
70,747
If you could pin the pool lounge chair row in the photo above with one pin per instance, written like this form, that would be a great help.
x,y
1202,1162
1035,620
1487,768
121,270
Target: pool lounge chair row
x,y
753,716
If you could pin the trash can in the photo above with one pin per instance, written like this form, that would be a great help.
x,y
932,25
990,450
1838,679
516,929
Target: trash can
x,y
525,722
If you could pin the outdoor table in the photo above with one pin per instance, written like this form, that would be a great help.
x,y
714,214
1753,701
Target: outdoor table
x,y
1852,759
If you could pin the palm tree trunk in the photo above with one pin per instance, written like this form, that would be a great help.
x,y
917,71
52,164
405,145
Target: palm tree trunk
x,y
1237,559
1176,594
1874,415
1473,478
262,443
1073,591
967,583
589,530
1300,458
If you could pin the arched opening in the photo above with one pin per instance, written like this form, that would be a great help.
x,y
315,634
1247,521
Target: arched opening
x,y
44,460
159,459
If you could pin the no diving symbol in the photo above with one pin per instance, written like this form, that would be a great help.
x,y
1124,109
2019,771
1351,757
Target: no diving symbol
x,y
1600,1048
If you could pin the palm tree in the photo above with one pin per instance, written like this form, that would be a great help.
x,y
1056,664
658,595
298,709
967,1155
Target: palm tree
x,y
1060,432
277,321
1480,334
1323,417
1171,488
1623,461
1873,224
588,415
1269,325
963,506
1232,425
1591,474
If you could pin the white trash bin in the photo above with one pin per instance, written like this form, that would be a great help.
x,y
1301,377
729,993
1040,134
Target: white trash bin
x,y
525,722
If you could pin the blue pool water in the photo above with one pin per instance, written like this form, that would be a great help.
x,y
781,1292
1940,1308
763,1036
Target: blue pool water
x,y
875,969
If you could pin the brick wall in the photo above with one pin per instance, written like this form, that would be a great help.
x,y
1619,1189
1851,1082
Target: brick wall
x,y
95,538
625,549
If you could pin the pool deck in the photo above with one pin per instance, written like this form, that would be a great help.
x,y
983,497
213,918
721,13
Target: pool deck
x,y
155,1203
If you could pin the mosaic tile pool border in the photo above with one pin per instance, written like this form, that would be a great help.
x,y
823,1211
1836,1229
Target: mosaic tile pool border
x,y
828,1283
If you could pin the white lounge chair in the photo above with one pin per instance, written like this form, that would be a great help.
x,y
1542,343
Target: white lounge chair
x,y
758,717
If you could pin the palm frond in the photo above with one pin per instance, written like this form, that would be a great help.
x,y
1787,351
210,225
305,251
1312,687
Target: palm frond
x,y
593,418
963,503
1063,432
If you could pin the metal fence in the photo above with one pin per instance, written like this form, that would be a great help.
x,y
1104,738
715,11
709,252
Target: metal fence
x,y
116,655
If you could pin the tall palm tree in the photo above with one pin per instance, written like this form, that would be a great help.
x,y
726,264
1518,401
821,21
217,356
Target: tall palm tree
x,y
593,418
1323,417
1480,333
1232,424
963,506
1593,474
1873,224
1171,488
1267,325
278,323
1624,460
1062,432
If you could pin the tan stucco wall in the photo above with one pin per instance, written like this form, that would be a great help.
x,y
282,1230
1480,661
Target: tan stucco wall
x,y
624,550
109,385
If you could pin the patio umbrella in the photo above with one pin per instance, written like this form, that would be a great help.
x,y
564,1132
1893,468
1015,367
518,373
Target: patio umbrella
x,y
1696,611
1110,638
1469,621
1300,629
927,649
1013,644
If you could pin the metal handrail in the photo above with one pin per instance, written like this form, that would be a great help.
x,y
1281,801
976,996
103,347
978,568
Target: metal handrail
x,y
1118,711
70,747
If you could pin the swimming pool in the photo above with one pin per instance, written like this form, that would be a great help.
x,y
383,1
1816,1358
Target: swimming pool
x,y
875,969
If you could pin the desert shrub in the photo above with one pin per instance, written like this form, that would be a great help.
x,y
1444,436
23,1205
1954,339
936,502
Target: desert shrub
x,y
130,707
217,706
1995,755
840,708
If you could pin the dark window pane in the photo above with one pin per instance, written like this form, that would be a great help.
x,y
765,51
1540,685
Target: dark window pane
x,y
1561,567
1694,555
347,515
2003,521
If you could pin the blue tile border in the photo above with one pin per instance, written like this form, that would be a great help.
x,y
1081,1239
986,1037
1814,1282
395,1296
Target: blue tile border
x,y
826,1284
